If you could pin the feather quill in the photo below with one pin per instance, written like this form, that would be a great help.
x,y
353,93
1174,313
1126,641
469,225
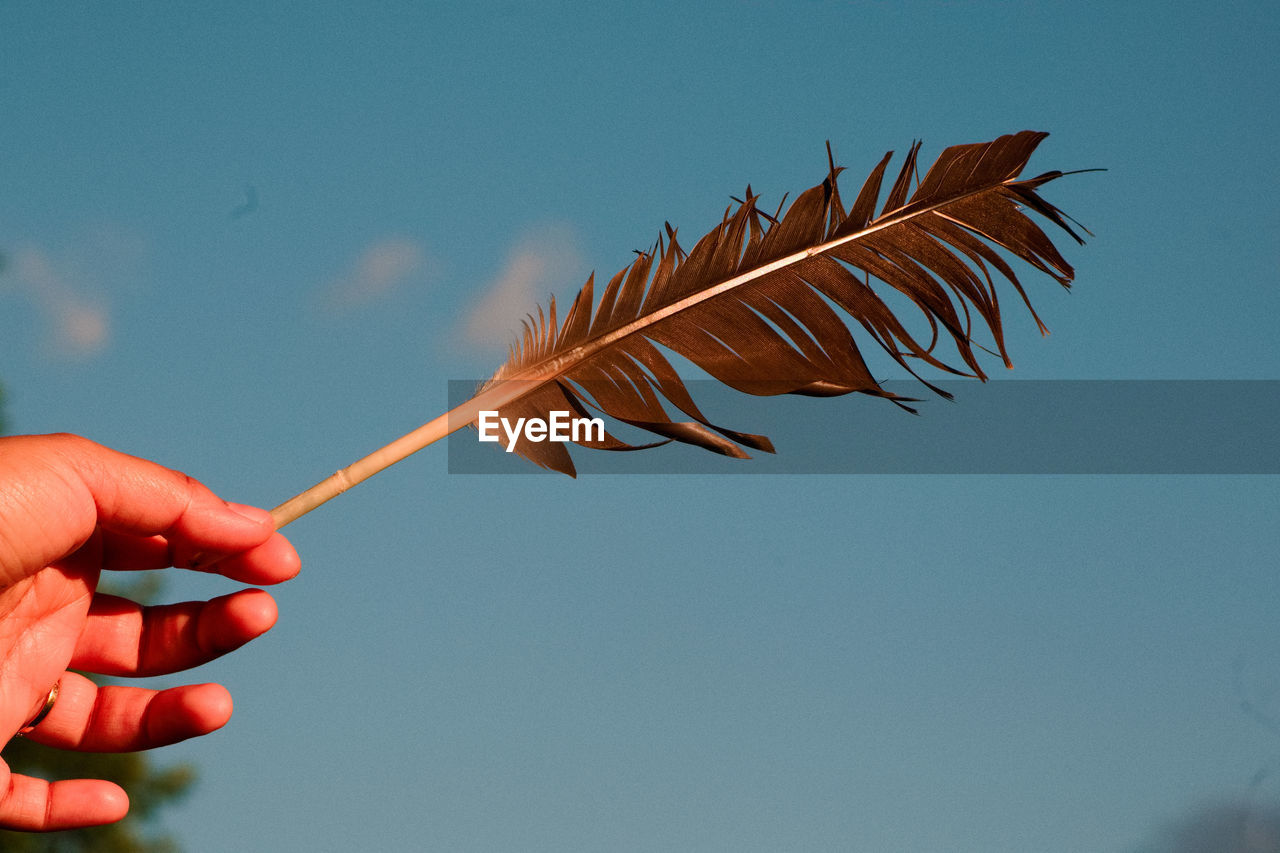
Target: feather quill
x,y
751,304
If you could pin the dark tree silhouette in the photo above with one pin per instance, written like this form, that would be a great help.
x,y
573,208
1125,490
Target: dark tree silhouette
x,y
1222,828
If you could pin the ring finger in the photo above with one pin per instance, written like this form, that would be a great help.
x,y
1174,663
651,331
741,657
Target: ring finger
x,y
116,718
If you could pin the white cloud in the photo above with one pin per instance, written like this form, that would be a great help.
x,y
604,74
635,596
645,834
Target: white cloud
x,y
78,326
543,260
380,270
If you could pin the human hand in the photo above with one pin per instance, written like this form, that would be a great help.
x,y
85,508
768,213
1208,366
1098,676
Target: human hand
x,y
70,508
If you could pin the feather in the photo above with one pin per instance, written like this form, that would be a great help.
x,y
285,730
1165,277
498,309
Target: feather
x,y
753,304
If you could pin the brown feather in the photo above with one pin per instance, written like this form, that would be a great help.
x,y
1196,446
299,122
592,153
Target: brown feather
x,y
751,304
765,329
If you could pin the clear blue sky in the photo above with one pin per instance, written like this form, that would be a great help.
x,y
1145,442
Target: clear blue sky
x,y
723,663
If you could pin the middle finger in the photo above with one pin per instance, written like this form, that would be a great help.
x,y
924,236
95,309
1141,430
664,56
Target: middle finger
x,y
122,637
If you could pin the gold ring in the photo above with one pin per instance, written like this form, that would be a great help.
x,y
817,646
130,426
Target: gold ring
x,y
44,712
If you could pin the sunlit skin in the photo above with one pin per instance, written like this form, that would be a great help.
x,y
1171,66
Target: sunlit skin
x,y
69,509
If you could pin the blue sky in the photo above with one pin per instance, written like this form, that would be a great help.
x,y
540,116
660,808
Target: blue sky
x,y
701,662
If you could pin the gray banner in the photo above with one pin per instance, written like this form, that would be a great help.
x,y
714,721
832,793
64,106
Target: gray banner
x,y
997,427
